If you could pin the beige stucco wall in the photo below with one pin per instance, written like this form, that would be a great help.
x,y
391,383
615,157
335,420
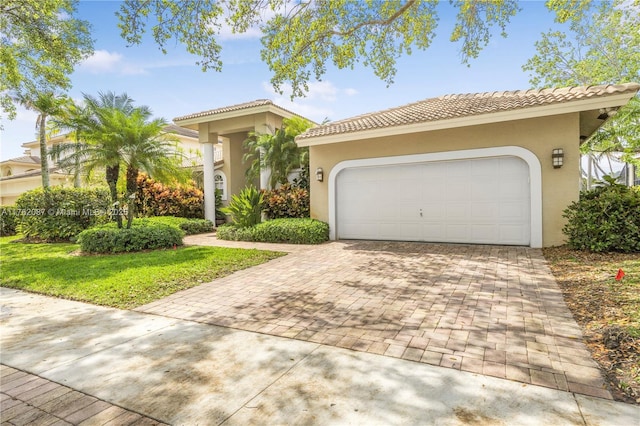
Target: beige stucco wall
x,y
539,135
233,166
11,189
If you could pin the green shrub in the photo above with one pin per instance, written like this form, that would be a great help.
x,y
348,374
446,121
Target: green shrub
x,y
196,226
232,233
291,231
245,208
8,220
61,213
157,199
286,202
606,218
189,226
107,239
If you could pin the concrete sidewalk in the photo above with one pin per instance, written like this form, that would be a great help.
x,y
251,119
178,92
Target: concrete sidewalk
x,y
181,372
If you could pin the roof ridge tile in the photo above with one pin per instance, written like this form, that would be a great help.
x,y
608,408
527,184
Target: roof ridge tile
x,y
462,105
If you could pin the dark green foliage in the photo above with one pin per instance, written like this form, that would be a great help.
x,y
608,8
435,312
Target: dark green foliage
x,y
232,233
291,231
157,199
605,219
219,215
286,202
59,214
189,226
139,237
245,208
8,221
196,226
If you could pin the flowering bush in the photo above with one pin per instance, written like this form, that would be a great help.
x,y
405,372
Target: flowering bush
x,y
286,202
156,199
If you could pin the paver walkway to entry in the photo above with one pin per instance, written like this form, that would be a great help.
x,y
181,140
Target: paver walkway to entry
x,y
490,310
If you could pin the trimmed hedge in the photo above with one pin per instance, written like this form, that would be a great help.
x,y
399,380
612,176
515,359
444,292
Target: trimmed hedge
x,y
59,214
142,237
291,231
8,221
189,226
604,219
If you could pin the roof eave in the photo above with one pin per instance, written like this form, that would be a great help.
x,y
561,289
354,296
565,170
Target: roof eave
x,y
595,102
206,118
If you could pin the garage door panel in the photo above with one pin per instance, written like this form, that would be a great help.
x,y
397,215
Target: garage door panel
x,y
512,234
514,212
457,211
433,231
483,211
457,233
483,201
484,233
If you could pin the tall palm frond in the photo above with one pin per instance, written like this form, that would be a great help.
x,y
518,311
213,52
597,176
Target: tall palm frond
x,y
46,104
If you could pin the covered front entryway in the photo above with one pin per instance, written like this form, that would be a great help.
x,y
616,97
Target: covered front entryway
x,y
481,200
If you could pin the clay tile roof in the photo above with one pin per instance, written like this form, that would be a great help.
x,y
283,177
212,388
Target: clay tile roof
x,y
172,128
464,105
237,107
27,159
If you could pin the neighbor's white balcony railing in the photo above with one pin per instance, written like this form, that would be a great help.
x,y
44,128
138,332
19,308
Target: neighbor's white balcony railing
x,y
217,154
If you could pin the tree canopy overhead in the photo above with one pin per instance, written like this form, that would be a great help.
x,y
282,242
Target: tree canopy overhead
x,y
40,43
301,38
601,45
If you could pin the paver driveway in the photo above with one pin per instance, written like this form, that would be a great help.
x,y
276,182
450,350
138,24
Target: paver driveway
x,y
491,310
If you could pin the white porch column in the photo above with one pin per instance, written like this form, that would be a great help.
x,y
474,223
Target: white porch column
x,y
208,140
265,173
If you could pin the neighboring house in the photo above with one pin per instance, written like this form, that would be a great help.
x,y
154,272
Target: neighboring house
x,y
224,130
628,175
487,168
22,174
18,175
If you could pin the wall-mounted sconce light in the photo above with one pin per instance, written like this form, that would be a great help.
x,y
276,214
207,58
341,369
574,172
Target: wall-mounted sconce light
x,y
319,174
557,157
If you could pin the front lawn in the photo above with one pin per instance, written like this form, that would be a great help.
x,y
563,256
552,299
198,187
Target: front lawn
x,y
607,310
123,280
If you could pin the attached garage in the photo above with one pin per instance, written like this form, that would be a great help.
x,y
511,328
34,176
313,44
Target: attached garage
x,y
485,168
481,200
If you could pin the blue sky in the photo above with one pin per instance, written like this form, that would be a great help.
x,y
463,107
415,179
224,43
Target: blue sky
x,y
172,85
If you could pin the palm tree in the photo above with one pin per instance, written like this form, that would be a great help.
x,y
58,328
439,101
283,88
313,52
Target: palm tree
x,y
115,133
146,147
276,151
45,104
72,118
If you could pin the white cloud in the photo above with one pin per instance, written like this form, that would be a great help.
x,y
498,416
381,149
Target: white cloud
x,y
316,105
318,90
103,61
350,91
226,33
26,115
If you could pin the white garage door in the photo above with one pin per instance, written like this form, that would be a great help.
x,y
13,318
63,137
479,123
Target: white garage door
x,y
482,201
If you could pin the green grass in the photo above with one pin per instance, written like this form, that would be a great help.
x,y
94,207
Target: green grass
x,y
122,280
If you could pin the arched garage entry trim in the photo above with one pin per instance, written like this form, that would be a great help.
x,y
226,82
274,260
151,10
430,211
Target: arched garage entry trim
x,y
535,178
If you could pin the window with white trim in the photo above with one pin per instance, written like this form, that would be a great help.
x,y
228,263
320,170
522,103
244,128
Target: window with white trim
x,y
220,182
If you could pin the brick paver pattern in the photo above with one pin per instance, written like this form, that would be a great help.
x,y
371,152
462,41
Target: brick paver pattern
x,y
491,310
27,399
